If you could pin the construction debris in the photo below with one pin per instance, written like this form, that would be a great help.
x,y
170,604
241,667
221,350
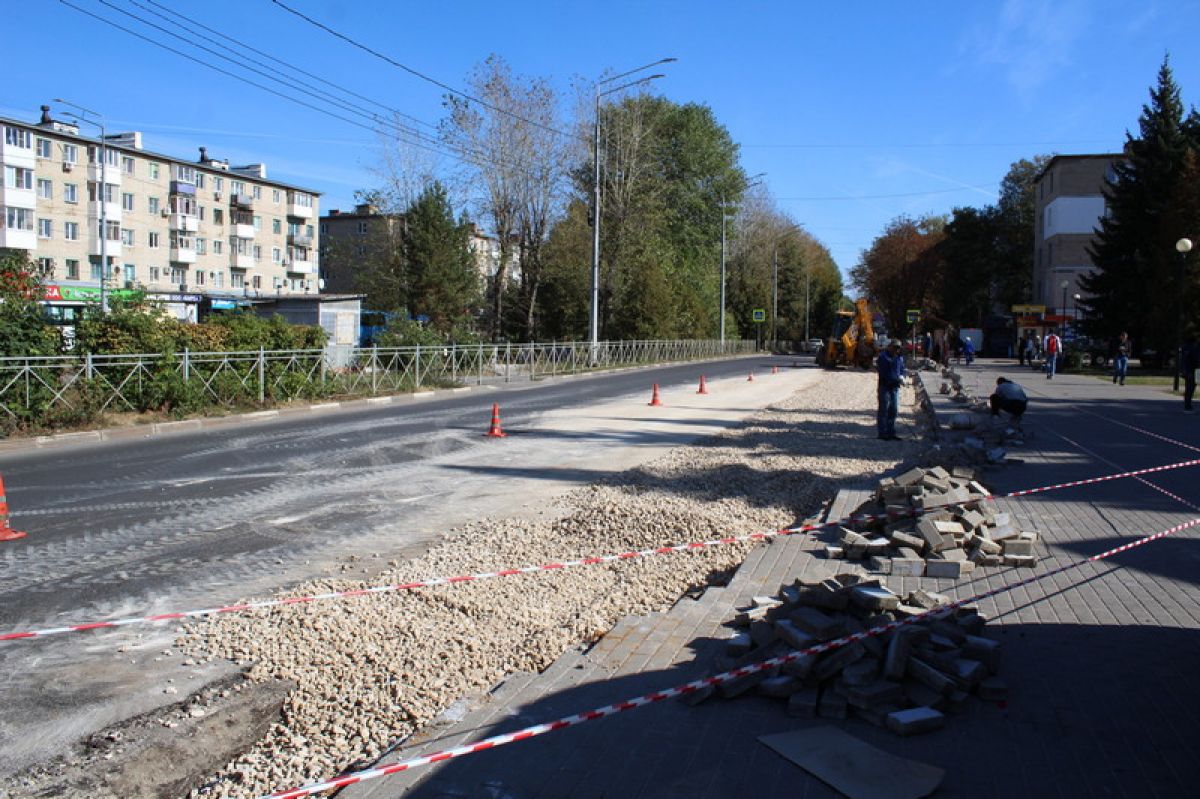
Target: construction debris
x,y
964,529
904,680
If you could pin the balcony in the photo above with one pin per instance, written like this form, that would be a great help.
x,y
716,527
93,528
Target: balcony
x,y
111,175
239,261
242,201
183,252
299,240
299,205
297,267
185,223
179,187
243,231
17,239
94,246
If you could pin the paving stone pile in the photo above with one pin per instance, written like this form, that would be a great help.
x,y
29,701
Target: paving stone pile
x,y
906,679
963,530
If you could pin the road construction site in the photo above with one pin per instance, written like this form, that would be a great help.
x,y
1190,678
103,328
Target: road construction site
x,y
694,567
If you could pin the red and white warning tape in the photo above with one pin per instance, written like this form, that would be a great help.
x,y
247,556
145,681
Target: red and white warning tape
x,y
1185,502
696,685
591,561
1143,431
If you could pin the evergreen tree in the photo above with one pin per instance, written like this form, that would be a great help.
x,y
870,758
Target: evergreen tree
x,y
1136,285
443,281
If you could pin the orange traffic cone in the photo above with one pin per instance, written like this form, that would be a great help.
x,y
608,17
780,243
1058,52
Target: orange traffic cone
x,y
495,431
750,379
703,387
654,400
6,532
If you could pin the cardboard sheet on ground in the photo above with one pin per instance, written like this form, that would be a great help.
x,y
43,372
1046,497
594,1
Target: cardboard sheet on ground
x,y
854,767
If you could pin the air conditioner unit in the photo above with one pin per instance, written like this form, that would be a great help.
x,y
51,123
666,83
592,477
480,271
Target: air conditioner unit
x,y
217,195
182,287
165,213
67,167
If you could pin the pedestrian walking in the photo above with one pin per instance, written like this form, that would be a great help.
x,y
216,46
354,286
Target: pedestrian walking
x,y
1008,397
1190,363
968,348
1028,349
1053,349
890,366
1121,358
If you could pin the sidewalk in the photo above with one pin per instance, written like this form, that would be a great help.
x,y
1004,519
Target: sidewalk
x,y
1099,661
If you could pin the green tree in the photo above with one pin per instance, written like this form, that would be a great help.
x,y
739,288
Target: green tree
x,y
1136,286
443,280
903,269
23,330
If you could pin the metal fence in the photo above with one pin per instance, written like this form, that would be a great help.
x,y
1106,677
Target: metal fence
x,y
58,390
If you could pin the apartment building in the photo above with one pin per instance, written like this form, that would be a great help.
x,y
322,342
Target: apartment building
x,y
190,234
351,239
1069,193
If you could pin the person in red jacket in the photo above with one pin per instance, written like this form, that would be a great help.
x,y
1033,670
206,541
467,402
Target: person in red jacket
x,y
1053,349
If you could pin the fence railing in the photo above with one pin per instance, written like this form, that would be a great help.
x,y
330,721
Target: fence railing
x,y
52,391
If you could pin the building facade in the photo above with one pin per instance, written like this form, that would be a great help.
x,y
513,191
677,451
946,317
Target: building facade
x,y
1069,194
93,211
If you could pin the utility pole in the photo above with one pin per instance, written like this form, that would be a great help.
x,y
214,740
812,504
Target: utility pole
x,y
100,197
774,293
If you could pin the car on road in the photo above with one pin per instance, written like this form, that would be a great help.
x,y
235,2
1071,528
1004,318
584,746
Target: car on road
x,y
812,345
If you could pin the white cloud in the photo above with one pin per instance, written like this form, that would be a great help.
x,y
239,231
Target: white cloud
x,y
1030,40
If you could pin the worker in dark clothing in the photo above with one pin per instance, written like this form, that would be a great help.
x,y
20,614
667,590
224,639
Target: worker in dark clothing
x,y
1189,362
890,366
1008,397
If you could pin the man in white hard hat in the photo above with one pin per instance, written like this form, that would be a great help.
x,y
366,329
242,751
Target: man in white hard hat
x,y
890,366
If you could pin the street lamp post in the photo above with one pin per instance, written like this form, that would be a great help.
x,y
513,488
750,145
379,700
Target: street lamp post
x,y
100,196
594,325
1075,310
1066,284
752,181
1183,247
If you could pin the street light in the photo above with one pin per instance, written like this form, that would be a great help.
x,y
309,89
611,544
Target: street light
x,y
1183,247
99,194
594,326
751,182
1064,286
1076,297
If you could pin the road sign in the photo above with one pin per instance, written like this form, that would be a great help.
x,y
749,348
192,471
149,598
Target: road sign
x,y
913,314
1029,309
759,315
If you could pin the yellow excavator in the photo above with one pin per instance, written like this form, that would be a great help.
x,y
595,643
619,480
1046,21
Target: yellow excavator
x,y
853,339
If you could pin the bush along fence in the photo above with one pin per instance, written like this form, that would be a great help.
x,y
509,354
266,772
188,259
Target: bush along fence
x,y
54,392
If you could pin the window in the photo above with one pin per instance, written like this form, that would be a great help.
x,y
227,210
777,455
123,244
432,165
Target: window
x,y
199,277
127,164
126,201
218,279
275,198
218,216
276,226
111,156
97,274
184,173
257,253
152,239
308,231
127,236
237,187
44,227
237,280
130,273
15,137
302,199
218,246
71,231
200,212
44,148
110,192
70,154
200,180
201,246
114,230
45,189
16,177
154,204
70,193
362,228
154,274
257,222
72,268
256,281
324,228
153,167
218,183
45,267
257,192
276,255
179,274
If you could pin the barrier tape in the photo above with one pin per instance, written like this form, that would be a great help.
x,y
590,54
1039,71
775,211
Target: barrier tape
x,y
1144,432
1187,503
697,685
590,561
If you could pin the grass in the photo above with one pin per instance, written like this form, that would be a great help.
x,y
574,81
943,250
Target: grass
x,y
1162,382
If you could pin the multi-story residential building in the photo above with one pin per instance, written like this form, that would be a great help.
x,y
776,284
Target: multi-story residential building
x,y
188,233
1069,194
351,239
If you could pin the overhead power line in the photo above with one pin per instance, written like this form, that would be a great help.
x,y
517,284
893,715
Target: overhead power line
x,y
419,74
400,131
892,196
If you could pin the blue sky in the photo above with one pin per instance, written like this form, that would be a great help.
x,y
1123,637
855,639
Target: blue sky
x,y
857,111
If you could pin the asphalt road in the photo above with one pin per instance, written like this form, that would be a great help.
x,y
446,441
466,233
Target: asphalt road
x,y
187,520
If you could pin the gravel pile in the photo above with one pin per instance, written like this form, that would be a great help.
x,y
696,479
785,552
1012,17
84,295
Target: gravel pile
x,y
372,670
